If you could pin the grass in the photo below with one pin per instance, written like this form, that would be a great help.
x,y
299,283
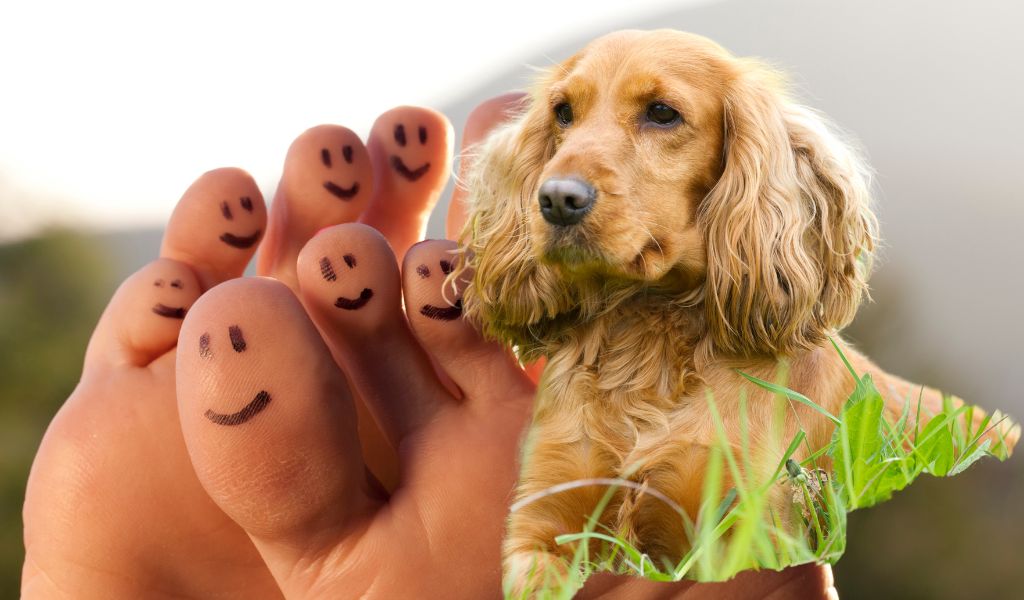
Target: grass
x,y
737,529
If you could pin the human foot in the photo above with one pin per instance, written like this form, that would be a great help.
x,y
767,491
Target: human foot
x,y
113,507
121,463
291,473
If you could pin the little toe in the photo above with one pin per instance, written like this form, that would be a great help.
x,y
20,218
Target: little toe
x,y
216,225
411,149
351,286
268,421
145,315
327,179
483,369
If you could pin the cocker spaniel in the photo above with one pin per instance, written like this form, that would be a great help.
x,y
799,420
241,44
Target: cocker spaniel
x,y
661,216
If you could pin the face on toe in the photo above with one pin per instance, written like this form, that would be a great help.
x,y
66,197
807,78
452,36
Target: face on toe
x,y
328,163
450,311
412,142
329,274
238,212
152,303
174,308
214,345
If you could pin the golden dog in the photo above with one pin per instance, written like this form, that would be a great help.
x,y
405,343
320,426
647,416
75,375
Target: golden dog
x,y
661,216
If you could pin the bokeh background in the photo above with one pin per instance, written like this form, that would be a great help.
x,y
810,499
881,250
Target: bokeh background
x,y
108,110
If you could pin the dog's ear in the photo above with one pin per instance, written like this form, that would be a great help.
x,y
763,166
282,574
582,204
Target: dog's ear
x,y
511,295
789,225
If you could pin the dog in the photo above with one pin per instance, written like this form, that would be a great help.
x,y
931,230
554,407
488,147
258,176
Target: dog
x,y
660,217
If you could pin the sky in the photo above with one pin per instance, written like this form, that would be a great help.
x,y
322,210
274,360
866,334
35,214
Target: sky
x,y
108,110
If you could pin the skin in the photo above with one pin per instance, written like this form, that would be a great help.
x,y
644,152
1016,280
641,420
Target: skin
x,y
127,500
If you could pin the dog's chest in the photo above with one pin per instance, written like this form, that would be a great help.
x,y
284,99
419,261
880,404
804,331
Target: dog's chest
x,y
624,375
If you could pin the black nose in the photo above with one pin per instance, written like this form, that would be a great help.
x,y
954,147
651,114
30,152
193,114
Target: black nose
x,y
564,201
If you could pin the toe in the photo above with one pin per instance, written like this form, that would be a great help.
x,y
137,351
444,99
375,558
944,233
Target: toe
x,y
268,420
216,225
411,149
484,370
482,121
350,283
327,179
145,315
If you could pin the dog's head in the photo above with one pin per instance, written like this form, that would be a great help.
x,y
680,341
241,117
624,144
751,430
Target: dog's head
x,y
657,163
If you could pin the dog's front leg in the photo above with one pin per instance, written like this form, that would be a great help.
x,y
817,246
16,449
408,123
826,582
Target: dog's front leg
x,y
556,495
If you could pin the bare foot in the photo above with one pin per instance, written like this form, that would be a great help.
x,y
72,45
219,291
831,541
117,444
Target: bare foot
x,y
113,507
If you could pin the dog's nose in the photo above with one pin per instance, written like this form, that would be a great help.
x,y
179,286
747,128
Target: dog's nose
x,y
564,201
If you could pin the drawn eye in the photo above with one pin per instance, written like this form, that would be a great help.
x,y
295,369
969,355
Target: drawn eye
x,y
563,114
325,157
663,115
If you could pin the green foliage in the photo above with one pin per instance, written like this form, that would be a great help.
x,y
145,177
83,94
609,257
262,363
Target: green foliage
x,y
871,459
52,290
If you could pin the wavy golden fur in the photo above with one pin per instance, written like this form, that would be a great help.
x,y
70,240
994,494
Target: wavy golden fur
x,y
739,237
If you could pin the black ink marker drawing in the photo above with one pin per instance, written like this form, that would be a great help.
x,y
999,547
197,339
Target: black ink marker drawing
x,y
237,341
204,346
357,303
327,270
250,410
240,242
448,313
404,171
169,311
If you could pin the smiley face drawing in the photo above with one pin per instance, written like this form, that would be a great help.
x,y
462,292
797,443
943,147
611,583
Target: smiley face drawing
x,y
259,401
440,313
328,273
170,311
328,163
403,141
241,208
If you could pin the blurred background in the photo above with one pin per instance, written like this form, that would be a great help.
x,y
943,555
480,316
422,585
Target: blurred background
x,y
108,111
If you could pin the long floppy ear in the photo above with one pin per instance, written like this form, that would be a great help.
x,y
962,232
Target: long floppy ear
x,y
512,296
789,225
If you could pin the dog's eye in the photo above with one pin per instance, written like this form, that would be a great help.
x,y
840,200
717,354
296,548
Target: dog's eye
x,y
663,114
563,113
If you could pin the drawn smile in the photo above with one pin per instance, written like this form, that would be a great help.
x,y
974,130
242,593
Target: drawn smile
x,y
448,313
167,311
240,242
404,171
357,303
343,193
252,409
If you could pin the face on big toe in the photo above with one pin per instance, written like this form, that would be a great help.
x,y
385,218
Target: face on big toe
x,y
329,166
161,294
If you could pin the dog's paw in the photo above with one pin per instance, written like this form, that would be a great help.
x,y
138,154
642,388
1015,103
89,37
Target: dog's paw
x,y
534,574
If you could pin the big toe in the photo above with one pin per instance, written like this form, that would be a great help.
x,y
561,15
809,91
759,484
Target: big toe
x,y
269,423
